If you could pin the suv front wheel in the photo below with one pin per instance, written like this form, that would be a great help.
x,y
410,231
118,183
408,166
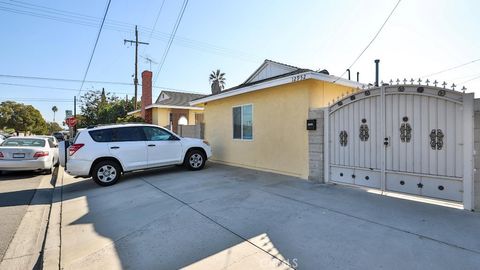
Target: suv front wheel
x,y
195,160
106,173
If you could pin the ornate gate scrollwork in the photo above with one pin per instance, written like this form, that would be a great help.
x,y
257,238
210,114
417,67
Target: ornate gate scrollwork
x,y
405,131
364,132
343,138
436,139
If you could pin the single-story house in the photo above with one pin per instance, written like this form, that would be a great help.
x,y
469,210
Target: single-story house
x,y
261,123
171,108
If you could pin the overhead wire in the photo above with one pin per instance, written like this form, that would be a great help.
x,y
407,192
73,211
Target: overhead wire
x,y
115,25
451,68
172,37
371,41
94,47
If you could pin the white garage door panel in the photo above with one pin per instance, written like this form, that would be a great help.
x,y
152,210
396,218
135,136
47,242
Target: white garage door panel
x,y
342,175
403,183
441,188
424,128
367,178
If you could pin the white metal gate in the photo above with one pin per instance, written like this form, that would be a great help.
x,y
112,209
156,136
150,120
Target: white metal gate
x,y
413,139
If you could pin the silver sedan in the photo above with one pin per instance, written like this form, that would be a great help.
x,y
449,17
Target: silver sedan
x,y
28,154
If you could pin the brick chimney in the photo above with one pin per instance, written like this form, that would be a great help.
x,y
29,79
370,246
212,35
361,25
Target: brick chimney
x,y
146,95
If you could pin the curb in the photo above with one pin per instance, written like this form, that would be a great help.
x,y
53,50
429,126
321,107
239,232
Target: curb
x,y
26,246
52,247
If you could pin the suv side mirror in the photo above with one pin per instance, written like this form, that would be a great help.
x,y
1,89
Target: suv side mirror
x,y
173,138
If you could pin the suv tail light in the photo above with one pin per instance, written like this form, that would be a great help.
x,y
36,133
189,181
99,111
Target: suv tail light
x,y
40,154
74,148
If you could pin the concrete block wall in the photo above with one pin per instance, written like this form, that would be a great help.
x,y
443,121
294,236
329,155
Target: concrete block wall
x,y
192,131
315,147
477,154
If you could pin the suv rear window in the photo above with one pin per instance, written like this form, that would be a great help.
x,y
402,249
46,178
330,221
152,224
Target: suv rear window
x,y
101,135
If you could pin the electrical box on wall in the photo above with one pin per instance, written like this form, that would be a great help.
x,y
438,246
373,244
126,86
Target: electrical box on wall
x,y
311,124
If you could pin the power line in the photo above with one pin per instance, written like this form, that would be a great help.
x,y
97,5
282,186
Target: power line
x,y
95,82
94,47
50,88
59,79
156,20
370,43
452,68
90,21
172,37
472,79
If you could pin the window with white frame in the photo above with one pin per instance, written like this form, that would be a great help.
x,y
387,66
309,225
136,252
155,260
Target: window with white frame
x,y
243,122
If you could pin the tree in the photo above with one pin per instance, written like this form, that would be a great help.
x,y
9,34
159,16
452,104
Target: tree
x,y
130,119
217,80
100,107
54,109
22,118
53,127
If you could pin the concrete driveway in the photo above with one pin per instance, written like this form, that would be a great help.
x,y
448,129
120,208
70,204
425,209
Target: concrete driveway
x,y
231,218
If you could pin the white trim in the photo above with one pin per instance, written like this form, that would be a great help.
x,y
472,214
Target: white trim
x,y
468,152
326,146
174,107
241,122
277,82
133,112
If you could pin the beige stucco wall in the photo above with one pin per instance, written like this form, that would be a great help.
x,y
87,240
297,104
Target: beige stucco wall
x,y
280,138
160,116
191,116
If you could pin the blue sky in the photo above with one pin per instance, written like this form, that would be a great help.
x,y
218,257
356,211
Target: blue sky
x,y
422,37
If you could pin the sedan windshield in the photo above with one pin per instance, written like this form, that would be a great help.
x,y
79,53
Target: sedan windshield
x,y
12,142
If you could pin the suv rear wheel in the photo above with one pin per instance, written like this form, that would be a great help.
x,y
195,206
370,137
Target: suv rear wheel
x,y
195,160
106,173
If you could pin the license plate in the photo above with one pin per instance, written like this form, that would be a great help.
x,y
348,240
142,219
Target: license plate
x,y
19,155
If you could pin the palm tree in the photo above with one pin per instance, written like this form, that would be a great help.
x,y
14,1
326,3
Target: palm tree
x,y
54,109
217,80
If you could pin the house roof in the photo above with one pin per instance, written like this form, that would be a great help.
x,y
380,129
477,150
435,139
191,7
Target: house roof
x,y
275,73
179,99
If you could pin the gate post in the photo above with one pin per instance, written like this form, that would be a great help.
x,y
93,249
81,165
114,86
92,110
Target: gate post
x,y
326,145
468,152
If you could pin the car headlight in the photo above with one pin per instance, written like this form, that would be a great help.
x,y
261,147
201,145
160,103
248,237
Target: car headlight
x,y
206,142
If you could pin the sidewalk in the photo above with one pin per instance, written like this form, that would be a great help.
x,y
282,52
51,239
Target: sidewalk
x,y
25,249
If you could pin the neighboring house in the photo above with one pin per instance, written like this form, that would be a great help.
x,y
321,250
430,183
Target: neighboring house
x,y
261,123
170,108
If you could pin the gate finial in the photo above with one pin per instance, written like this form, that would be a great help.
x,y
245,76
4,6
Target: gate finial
x,y
444,84
404,80
381,82
419,81
398,81
363,86
435,83
411,81
391,81
453,86
427,81
463,89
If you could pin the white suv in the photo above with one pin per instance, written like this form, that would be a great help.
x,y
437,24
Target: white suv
x,y
105,152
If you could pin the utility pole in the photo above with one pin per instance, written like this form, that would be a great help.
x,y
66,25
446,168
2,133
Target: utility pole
x,y
135,80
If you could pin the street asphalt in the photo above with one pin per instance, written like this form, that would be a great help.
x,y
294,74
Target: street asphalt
x,y
16,192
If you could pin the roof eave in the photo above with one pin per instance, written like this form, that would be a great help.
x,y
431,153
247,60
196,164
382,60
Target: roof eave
x,y
277,82
173,107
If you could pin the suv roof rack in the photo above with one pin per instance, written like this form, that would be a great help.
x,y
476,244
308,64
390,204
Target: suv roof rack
x,y
115,124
